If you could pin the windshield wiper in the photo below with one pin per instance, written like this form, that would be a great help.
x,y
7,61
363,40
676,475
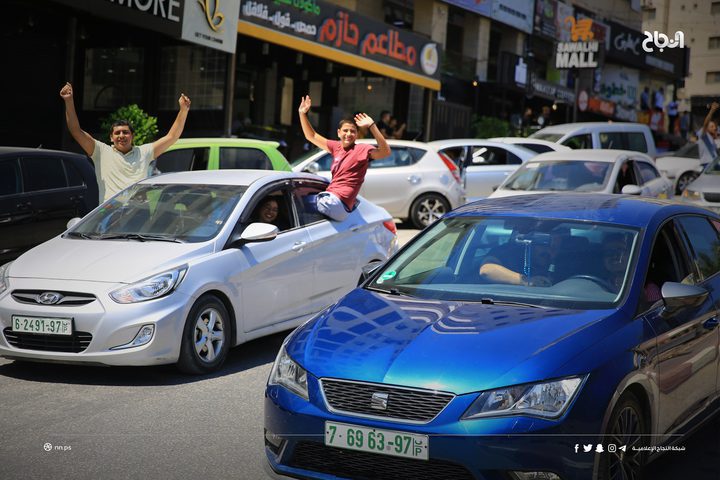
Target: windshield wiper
x,y
86,236
138,236
391,291
490,301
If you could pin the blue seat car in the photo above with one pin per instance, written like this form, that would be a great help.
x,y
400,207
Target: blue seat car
x,y
546,337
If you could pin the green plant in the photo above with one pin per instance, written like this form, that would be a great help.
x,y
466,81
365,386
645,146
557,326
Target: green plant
x,y
145,125
489,127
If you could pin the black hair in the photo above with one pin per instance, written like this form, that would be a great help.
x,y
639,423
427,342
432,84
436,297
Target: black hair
x,y
346,120
121,123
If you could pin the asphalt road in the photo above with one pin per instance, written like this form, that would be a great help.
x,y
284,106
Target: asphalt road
x,y
70,422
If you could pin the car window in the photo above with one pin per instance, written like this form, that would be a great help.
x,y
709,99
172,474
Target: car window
x,y
560,175
579,141
244,158
399,157
279,203
667,264
536,147
626,175
184,159
647,172
704,242
636,142
489,156
74,176
324,163
614,140
43,173
455,154
9,177
302,200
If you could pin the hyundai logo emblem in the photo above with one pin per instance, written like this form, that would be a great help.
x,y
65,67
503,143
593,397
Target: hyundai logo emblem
x,y
49,298
379,401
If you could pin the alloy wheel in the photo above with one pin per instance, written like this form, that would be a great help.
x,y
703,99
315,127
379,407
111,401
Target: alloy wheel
x,y
627,431
209,335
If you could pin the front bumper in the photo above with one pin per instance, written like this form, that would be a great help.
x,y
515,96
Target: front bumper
x,y
108,323
480,449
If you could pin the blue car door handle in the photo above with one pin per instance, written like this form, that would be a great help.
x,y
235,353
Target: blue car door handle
x,y
711,323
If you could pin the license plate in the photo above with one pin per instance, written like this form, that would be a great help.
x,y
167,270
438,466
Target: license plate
x,y
375,440
43,325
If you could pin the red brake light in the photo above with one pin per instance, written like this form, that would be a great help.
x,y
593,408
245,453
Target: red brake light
x,y
390,225
451,166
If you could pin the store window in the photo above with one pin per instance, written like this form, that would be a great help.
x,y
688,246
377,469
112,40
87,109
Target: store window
x,y
196,71
113,77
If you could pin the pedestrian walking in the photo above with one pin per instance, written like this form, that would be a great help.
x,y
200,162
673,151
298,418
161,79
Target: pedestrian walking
x,y
708,136
645,100
684,124
350,160
672,113
122,164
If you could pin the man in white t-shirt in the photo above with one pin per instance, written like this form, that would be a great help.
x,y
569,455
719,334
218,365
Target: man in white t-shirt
x,y
708,137
122,164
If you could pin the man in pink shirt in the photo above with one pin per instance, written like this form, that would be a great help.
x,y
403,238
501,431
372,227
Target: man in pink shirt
x,y
350,160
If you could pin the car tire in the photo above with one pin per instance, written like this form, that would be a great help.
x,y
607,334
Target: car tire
x,y
627,427
427,208
206,337
685,180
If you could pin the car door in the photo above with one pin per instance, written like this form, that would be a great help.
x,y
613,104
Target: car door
x,y
686,362
391,181
651,182
486,168
15,216
335,247
278,280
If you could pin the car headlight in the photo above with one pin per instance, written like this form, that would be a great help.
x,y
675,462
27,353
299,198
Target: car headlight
x,y
691,195
287,373
150,288
4,277
547,399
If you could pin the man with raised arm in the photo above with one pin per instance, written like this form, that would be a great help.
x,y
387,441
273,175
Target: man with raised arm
x,y
122,164
350,160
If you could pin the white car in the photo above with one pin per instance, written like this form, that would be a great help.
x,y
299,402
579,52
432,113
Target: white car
x,y
595,171
484,163
176,269
704,191
602,135
414,183
534,144
682,166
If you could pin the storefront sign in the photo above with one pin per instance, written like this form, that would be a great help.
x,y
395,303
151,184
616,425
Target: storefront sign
x,y
583,51
603,107
620,85
331,32
212,23
551,90
516,13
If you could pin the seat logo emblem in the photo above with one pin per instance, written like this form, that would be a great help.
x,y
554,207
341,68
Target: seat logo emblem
x,y
379,401
49,298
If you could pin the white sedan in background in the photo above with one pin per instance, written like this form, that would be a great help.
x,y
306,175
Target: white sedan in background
x,y
180,267
414,183
534,144
596,171
484,163
682,166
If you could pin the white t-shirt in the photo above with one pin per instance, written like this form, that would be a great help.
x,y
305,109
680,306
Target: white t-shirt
x,y
705,143
115,171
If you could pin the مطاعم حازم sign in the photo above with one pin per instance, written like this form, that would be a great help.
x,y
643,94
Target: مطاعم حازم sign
x,y
582,51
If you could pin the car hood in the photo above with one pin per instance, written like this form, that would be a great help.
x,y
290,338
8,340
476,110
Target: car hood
x,y
449,346
113,261
706,183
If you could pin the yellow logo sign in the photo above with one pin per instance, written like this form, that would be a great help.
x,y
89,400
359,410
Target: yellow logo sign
x,y
217,18
580,29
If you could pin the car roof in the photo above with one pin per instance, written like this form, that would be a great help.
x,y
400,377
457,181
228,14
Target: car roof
x,y
456,142
37,151
227,142
599,208
227,177
537,141
592,155
571,127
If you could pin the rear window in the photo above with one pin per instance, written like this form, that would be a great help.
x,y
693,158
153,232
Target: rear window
x,y
399,157
579,141
536,147
244,158
550,137
636,142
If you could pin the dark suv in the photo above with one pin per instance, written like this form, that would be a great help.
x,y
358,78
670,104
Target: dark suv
x,y
40,190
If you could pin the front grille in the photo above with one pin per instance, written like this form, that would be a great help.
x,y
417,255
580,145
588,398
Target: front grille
x,y
75,343
68,298
403,404
712,197
317,457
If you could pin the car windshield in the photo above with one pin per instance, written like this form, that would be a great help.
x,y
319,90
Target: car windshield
x,y
528,260
713,168
162,212
561,175
550,137
305,156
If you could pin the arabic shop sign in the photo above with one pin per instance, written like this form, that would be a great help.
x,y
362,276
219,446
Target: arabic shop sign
x,y
329,25
635,49
583,51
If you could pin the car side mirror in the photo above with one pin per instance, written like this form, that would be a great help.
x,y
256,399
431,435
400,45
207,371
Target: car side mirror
x,y
495,187
255,232
367,271
631,190
679,295
72,222
312,167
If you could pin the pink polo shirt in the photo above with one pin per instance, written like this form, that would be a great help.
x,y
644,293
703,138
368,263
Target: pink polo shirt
x,y
348,170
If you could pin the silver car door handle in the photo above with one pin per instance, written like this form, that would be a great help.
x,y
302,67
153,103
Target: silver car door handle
x,y
354,228
298,246
413,179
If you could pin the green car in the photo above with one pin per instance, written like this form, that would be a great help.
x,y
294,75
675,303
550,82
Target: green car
x,y
222,153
